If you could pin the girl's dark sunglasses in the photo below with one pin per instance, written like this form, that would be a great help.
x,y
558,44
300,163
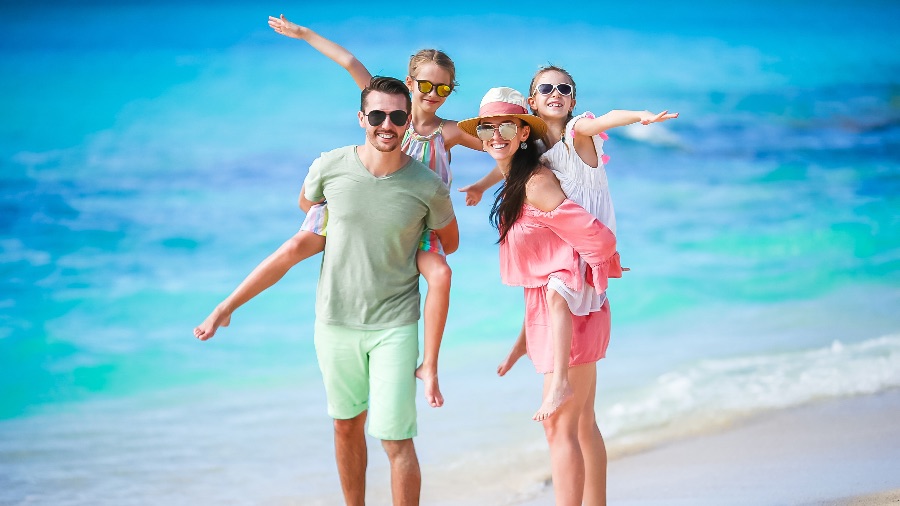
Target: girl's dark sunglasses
x,y
398,117
546,89
442,90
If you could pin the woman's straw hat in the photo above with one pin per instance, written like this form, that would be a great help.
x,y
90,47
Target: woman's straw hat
x,y
504,101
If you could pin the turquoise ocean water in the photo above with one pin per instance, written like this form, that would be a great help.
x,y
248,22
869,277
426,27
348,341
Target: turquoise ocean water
x,y
150,156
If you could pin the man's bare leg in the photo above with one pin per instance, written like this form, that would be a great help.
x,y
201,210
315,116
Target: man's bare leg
x,y
296,249
351,455
559,390
406,478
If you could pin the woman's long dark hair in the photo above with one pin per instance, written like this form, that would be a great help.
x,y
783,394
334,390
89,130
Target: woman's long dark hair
x,y
510,198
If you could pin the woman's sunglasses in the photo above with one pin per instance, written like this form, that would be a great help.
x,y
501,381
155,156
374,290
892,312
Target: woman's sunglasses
x,y
442,90
508,131
546,89
398,117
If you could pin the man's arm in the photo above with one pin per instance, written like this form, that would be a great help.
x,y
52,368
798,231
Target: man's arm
x,y
304,202
449,236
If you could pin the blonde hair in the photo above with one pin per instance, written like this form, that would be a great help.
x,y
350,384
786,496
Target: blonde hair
x,y
435,56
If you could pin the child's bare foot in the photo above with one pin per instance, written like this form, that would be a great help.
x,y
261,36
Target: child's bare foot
x,y
556,397
432,390
514,355
207,329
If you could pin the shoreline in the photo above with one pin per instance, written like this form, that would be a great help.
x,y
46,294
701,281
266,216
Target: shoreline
x,y
836,452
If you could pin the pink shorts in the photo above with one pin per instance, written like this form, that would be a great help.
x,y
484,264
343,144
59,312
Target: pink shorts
x,y
590,333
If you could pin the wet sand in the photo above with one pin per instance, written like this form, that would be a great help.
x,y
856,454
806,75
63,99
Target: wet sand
x,y
836,452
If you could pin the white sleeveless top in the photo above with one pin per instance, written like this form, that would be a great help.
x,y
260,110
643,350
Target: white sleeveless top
x,y
588,187
585,185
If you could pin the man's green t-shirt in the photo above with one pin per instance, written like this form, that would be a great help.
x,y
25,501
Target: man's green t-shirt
x,y
369,278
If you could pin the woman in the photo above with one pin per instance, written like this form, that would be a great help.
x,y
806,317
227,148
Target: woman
x,y
542,236
575,155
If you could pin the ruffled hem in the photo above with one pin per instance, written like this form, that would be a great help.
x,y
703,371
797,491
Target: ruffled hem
x,y
533,211
598,275
544,283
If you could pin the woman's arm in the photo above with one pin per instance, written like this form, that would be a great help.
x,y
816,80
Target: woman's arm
x,y
337,53
613,119
593,240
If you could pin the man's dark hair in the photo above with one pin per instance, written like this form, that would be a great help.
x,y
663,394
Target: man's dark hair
x,y
388,85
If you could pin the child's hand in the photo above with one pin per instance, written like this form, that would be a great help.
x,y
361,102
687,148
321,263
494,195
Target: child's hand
x,y
284,27
473,194
648,117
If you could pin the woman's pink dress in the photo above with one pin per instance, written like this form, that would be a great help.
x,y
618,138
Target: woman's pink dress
x,y
544,244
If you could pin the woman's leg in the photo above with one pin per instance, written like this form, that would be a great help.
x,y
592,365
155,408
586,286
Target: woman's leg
x,y
592,448
562,432
296,249
437,274
559,390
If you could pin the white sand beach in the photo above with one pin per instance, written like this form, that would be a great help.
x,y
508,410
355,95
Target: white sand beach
x,y
835,452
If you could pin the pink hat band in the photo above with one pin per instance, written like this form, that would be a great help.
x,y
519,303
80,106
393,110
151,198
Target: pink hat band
x,y
501,109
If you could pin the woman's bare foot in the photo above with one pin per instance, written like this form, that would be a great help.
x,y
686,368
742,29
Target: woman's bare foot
x,y
556,397
432,390
207,329
514,355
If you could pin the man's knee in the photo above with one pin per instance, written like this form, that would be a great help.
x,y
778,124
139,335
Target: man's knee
x,y
399,449
350,427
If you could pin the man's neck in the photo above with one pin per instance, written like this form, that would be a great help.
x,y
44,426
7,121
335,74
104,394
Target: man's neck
x,y
381,163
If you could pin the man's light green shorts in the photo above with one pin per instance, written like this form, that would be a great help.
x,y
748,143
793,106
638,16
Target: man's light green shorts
x,y
359,365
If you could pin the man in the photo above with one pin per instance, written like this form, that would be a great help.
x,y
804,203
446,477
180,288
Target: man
x,y
367,302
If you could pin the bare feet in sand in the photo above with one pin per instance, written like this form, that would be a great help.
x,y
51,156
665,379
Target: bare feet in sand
x,y
432,390
556,397
207,329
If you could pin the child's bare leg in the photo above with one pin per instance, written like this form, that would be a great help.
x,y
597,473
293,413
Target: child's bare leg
x,y
559,390
518,351
296,249
436,272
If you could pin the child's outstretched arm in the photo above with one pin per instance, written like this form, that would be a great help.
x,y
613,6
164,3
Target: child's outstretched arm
x,y
613,119
337,53
475,190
